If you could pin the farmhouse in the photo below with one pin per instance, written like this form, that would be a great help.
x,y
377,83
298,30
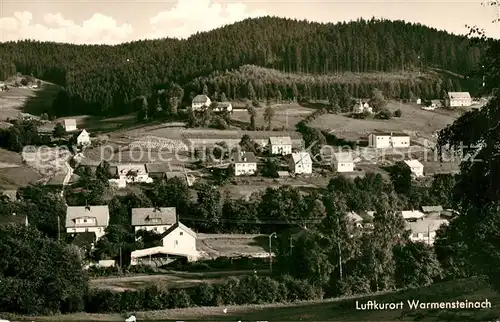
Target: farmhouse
x,y
300,163
362,107
416,168
388,140
87,219
200,102
155,219
458,99
412,215
133,173
177,241
158,170
245,163
14,219
70,125
425,230
223,107
436,103
280,145
343,162
83,139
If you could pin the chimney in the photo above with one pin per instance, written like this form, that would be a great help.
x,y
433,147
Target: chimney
x,y
87,207
391,133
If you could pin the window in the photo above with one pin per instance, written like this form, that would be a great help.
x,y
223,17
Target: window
x,y
164,228
155,228
181,233
86,230
176,242
85,220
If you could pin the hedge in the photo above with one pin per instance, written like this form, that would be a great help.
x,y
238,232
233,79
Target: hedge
x,y
219,264
251,289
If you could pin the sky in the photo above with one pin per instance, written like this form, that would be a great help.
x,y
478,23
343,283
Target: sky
x,y
118,21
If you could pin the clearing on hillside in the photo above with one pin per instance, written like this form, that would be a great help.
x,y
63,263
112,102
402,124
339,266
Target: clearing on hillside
x,y
413,119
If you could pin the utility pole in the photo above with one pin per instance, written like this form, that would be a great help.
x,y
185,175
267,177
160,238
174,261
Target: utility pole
x,y
270,252
339,249
58,228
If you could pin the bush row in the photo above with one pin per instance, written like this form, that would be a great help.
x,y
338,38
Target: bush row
x,y
96,271
220,263
251,289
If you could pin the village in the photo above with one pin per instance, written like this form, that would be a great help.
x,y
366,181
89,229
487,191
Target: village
x,y
246,163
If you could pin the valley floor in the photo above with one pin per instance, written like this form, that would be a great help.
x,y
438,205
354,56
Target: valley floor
x,y
340,309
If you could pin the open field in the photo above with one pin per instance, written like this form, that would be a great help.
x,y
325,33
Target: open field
x,y
31,101
232,245
171,280
286,116
340,309
414,121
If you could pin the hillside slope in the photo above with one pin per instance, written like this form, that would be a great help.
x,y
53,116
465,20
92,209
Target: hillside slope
x,y
100,79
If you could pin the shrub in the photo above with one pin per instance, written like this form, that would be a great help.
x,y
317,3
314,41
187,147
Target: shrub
x,y
250,289
397,113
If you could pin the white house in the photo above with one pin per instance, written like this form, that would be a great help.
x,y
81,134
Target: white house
x,y
417,168
223,106
280,145
419,101
356,219
425,230
388,140
178,240
133,173
300,163
343,162
412,215
83,138
70,125
244,163
155,219
457,99
87,219
200,102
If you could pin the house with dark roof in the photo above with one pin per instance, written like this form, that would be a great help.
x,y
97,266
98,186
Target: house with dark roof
x,y
177,241
87,219
155,219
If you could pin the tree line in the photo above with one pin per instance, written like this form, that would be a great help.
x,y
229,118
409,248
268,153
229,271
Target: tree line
x,y
107,79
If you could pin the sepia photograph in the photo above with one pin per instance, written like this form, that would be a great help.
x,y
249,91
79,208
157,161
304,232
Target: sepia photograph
x,y
245,160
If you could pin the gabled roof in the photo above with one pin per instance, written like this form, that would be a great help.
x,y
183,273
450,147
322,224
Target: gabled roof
x,y
84,239
343,157
100,213
180,226
243,157
69,122
414,163
459,95
84,132
14,219
302,158
11,194
201,99
412,214
432,208
154,216
224,104
280,140
160,167
125,168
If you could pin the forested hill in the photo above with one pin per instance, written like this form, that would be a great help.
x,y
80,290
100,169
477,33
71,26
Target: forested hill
x,y
102,79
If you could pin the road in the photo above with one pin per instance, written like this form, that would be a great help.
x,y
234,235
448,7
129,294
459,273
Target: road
x,y
67,177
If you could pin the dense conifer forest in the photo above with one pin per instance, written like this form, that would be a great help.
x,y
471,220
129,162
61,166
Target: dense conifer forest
x,y
102,79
